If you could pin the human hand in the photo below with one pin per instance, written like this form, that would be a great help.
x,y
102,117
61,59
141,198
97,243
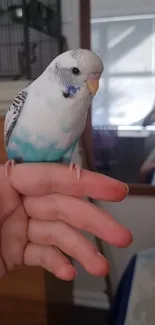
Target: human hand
x,y
148,166
42,211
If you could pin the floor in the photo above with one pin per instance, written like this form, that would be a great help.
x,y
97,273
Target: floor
x,y
83,316
21,312
18,312
60,313
22,297
31,296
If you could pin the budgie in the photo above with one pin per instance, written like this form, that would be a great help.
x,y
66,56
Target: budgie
x,y
47,118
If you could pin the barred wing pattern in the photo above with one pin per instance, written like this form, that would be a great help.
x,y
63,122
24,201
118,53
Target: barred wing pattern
x,y
13,114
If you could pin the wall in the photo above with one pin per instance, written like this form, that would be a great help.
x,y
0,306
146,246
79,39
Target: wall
x,y
70,22
138,213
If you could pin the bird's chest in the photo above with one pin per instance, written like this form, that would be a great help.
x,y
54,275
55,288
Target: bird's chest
x,y
52,124
71,128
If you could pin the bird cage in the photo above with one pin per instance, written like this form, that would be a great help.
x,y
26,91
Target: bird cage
x,y
30,37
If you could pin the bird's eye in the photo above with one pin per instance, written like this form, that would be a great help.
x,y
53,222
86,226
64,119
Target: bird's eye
x,y
75,70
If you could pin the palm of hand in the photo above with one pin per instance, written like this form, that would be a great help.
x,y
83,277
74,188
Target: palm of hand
x,y
42,209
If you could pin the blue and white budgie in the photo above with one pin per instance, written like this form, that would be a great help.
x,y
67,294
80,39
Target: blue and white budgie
x,y
46,119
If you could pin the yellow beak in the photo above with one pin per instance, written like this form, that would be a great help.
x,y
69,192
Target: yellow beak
x,y
93,85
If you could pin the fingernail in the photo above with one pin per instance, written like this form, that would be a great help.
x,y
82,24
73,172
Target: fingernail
x,y
132,233
127,189
99,254
8,167
74,270
104,270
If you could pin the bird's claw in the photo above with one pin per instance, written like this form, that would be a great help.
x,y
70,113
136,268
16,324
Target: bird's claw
x,y
77,168
9,164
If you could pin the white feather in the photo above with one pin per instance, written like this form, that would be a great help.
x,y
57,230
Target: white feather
x,y
46,113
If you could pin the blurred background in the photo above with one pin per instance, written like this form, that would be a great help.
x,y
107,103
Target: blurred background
x,y
121,127
122,32
30,37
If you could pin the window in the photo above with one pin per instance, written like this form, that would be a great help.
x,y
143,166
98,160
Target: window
x,y
127,88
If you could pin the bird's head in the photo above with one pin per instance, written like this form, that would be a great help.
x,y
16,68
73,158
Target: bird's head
x,y
76,69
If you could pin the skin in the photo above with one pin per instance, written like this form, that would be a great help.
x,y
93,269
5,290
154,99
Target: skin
x,y
145,169
42,210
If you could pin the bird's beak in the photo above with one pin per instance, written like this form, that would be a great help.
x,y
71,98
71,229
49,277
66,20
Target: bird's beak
x,y
93,84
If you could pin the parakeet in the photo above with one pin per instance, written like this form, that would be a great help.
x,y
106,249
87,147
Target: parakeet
x,y
46,119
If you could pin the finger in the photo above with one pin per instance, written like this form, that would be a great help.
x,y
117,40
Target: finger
x,y
41,179
80,214
51,259
14,238
68,240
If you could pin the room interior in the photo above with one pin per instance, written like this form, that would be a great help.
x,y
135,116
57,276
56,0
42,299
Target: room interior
x,y
32,292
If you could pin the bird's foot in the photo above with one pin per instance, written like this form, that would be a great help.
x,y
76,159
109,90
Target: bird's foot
x,y
77,168
8,165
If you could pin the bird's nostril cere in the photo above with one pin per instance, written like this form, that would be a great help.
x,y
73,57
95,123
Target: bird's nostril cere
x,y
94,76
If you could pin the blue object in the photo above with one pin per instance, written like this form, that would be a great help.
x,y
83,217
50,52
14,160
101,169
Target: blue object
x,y
119,305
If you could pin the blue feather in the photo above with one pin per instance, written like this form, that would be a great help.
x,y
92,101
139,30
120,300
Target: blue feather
x,y
25,151
72,90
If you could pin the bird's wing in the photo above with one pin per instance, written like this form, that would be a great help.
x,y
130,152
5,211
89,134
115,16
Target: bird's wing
x,y
13,114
